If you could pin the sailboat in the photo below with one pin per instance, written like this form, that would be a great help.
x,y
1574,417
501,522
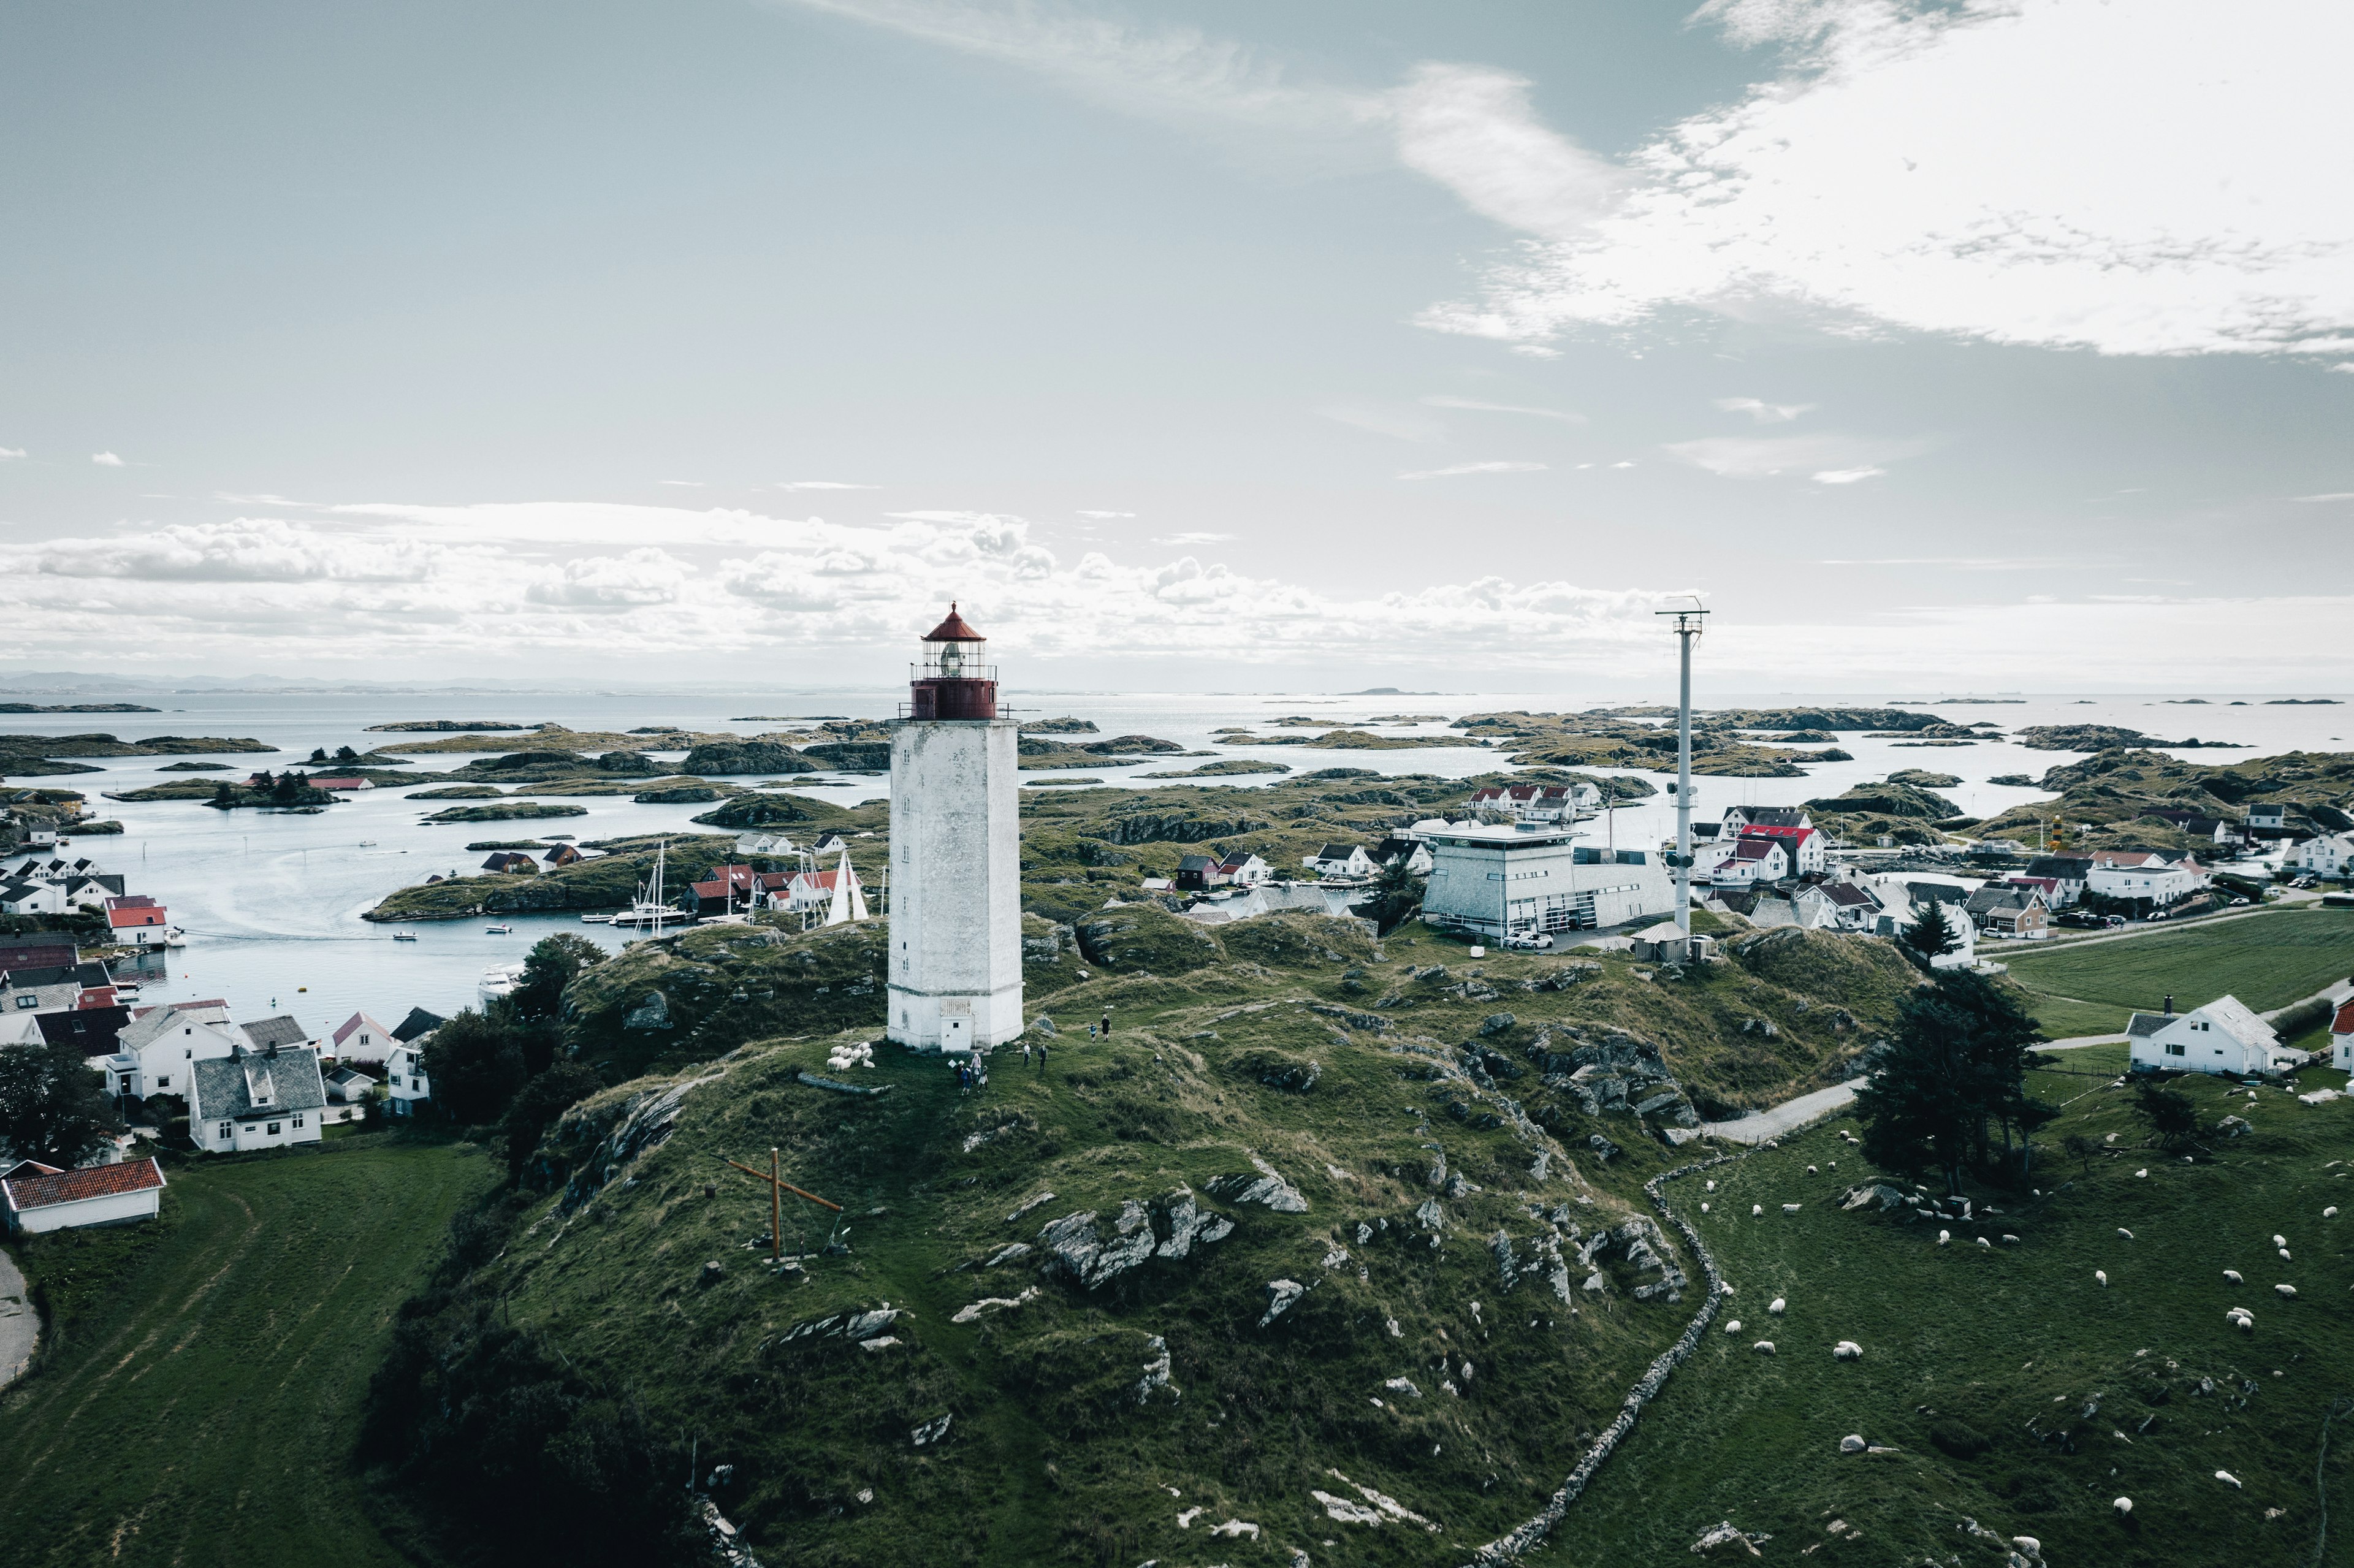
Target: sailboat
x,y
649,910
849,898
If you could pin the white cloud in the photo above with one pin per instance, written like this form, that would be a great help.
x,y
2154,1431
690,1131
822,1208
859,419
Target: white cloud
x,y
1454,469
1962,562
643,576
1473,131
1821,455
2145,177
685,483
1765,413
824,484
1105,516
1195,539
1399,424
244,550
2343,367
2330,495
10,455
107,459
1566,415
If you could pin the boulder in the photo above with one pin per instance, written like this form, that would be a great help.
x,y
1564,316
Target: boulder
x,y
1280,1295
1497,1024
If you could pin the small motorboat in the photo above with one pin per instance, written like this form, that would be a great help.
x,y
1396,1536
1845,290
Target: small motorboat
x,y
499,980
594,919
501,929
404,935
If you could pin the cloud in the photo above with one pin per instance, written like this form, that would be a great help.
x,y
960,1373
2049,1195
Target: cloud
x,y
684,483
2155,182
1831,458
1194,539
1962,562
244,550
10,455
1566,415
824,484
643,577
1399,424
1105,516
2343,367
107,459
1765,413
1471,129
2330,495
1454,469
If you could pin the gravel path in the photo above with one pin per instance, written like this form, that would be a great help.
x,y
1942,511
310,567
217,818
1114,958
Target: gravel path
x,y
20,1326
1788,1116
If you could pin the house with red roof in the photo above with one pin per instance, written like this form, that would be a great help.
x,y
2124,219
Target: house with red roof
x,y
39,1198
136,920
2341,1037
1801,842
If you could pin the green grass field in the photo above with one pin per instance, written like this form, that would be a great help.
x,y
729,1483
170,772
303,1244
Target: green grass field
x,y
2266,961
2061,1393
199,1387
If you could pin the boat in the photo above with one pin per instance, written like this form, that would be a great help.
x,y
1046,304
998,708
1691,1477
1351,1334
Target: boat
x,y
648,909
593,919
368,843
404,935
498,980
501,929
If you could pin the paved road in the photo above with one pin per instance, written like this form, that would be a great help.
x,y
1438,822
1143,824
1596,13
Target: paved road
x,y
1788,1116
20,1326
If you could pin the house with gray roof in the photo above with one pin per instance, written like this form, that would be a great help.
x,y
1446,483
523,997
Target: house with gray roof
x,y
282,1030
257,1099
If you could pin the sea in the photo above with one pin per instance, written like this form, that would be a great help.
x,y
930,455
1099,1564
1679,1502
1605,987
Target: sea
x,y
271,903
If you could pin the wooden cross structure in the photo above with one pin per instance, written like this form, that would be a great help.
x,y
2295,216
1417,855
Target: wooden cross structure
x,y
778,1188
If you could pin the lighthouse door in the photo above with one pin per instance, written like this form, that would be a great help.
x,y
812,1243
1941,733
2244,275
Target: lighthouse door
x,y
956,1026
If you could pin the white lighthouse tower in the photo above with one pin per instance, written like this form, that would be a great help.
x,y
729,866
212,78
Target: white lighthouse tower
x,y
956,853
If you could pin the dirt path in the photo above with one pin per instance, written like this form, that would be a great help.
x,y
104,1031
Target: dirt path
x,y
1788,1116
20,1326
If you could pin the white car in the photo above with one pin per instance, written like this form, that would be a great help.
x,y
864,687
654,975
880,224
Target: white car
x,y
1529,944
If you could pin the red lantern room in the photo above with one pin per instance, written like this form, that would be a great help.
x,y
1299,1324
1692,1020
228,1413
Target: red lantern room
x,y
954,681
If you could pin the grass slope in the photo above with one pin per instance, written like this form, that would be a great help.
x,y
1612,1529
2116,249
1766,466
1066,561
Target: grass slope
x,y
2018,1391
2267,960
199,1384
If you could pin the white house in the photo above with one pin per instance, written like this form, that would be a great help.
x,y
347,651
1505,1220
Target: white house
x,y
2222,1037
138,921
1837,907
1538,802
1415,853
1902,903
404,1080
32,898
1515,881
156,1052
1803,845
2341,1037
257,1099
2141,873
348,1090
2328,856
1747,861
43,1198
2066,873
361,1039
1739,819
1242,869
1340,860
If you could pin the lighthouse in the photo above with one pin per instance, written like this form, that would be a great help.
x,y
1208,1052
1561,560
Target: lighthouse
x,y
956,853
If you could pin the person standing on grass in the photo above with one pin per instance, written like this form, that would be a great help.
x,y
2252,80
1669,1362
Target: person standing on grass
x,y
1106,1021
1025,1049
1091,1032
1042,1056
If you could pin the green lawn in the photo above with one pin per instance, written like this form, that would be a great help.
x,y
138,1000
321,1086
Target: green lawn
x,y
2266,961
199,1389
2048,1394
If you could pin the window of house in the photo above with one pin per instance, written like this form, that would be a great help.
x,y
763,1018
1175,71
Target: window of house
x,y
29,1001
298,1121
226,1129
396,1080
249,1128
2175,1050
273,1129
164,1082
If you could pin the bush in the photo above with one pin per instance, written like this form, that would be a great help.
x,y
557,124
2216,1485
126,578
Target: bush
x,y
476,1065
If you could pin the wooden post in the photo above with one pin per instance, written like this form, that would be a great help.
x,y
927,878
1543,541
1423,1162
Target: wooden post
x,y
775,1209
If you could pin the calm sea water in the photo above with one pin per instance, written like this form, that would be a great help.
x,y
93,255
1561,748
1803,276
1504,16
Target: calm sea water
x,y
273,904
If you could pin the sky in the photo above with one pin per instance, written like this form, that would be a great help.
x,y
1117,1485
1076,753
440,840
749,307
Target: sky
x,y
1997,345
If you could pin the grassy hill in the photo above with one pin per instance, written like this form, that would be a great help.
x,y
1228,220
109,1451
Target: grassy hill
x,y
2013,1387
199,1382
2267,960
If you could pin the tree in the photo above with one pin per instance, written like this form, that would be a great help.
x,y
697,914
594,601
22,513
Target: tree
x,y
1397,893
554,963
53,1108
1932,934
319,753
224,796
2170,1113
2081,1149
542,1101
1955,1072
345,754
290,789
475,1064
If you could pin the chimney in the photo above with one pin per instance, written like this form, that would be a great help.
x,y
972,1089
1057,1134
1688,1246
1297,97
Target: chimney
x,y
2170,1004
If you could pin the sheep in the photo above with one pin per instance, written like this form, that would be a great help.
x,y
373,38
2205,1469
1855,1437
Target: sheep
x,y
1812,1171
2124,1232
1703,1208
2103,1276
2009,1239
1847,1350
2124,1507
1790,1208
1763,1347
1734,1327
2233,1276
1775,1306
2241,1318
1712,1186
2283,1251
1944,1236
2286,1292
2142,1173
1853,1443
2330,1213
1756,1209
2229,1479
2280,1241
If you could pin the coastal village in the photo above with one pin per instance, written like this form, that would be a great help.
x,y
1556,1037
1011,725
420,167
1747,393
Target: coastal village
x,y
1553,1001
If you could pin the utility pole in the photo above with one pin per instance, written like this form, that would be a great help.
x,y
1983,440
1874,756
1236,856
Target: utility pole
x,y
1688,626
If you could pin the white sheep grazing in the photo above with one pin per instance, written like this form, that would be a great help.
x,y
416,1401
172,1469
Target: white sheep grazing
x,y
1944,1236
1775,1306
2283,1251
2124,1506
1853,1443
2112,1138
2124,1232
1847,1350
2233,1276
2286,1292
1983,1242
1703,1208
2102,1275
2144,1172
1812,1171
2010,1240
2242,1319
2280,1241
1756,1209
2228,1479
1790,1208
1734,1327
1712,1186
1763,1347
2330,1213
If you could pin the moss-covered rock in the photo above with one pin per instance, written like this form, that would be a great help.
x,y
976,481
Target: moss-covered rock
x,y
723,760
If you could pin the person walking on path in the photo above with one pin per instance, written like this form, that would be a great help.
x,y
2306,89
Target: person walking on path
x,y
1025,1050
1042,1056
1107,1022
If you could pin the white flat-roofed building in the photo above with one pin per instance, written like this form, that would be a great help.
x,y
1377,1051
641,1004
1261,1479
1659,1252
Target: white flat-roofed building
x,y
1513,881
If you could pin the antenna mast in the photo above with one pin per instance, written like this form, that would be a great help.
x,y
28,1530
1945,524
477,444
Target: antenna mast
x,y
1688,626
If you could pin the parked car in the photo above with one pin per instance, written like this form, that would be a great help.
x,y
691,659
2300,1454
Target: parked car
x,y
1537,943
2113,919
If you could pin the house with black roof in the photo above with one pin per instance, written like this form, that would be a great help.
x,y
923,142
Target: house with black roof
x,y
257,1099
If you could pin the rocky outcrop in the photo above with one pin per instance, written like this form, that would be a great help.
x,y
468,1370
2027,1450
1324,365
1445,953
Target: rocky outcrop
x,y
1090,1252
1268,1187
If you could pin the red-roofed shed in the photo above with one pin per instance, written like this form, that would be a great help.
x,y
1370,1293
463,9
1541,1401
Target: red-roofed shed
x,y
93,1195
